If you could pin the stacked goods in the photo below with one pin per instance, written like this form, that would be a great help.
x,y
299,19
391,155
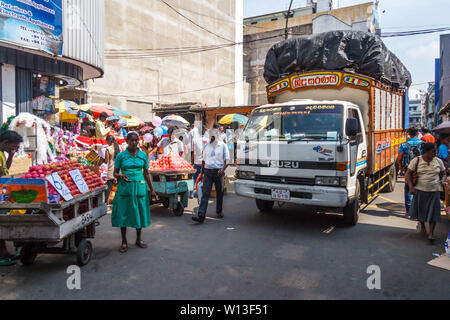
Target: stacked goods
x,y
112,194
63,169
170,162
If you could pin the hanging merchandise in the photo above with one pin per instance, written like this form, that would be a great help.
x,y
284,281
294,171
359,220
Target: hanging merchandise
x,y
158,132
157,121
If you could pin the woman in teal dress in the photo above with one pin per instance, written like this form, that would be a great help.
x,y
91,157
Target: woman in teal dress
x,y
131,206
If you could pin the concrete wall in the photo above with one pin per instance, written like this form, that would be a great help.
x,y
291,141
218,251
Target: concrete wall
x,y
255,51
137,24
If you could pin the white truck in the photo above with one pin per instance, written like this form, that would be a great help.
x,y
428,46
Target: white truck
x,y
328,139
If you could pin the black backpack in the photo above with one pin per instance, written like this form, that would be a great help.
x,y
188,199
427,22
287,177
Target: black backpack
x,y
412,152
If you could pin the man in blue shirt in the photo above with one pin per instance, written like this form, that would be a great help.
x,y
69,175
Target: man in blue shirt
x,y
403,160
443,149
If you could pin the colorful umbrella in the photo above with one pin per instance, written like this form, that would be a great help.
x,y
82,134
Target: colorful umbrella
x,y
174,117
174,123
234,117
120,113
146,128
133,122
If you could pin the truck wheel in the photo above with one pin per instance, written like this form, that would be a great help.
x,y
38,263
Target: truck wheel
x,y
264,205
84,253
351,211
392,180
27,255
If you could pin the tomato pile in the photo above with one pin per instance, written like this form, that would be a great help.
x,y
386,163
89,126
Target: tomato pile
x,y
170,163
63,169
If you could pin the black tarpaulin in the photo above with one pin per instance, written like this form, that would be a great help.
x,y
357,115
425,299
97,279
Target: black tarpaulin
x,y
352,51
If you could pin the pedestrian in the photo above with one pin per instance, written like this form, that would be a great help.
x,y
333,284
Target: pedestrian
x,y
215,162
427,136
442,152
196,154
425,176
407,152
131,206
9,143
171,144
100,130
111,154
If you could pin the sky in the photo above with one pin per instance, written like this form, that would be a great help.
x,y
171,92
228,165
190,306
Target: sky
x,y
418,53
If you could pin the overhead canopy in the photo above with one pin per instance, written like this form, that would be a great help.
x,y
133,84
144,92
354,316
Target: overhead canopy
x,y
353,51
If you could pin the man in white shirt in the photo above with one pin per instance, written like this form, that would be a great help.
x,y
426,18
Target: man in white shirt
x,y
215,161
171,145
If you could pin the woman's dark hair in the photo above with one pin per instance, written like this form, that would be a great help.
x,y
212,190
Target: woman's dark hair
x,y
116,145
132,134
412,132
443,136
170,131
427,147
11,137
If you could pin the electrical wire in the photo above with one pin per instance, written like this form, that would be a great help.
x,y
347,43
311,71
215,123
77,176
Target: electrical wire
x,y
413,32
195,23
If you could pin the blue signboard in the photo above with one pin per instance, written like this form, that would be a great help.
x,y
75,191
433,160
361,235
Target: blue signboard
x,y
32,23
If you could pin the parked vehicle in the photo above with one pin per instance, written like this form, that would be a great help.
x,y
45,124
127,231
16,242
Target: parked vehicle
x,y
329,139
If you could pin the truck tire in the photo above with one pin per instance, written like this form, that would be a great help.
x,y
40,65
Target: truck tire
x,y
351,211
28,255
84,252
264,205
392,180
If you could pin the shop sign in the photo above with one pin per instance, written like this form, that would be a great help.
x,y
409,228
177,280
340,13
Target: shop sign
x,y
59,186
315,80
25,190
33,23
79,181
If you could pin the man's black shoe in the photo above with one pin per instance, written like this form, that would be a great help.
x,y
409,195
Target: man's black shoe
x,y
198,219
220,215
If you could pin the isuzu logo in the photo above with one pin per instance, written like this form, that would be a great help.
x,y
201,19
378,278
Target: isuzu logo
x,y
283,164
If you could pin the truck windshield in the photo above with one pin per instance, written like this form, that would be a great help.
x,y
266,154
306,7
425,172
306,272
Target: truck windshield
x,y
296,123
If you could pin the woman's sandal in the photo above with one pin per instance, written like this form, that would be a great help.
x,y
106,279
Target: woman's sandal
x,y
123,248
8,262
141,244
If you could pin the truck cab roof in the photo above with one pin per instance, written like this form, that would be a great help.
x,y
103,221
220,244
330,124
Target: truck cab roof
x,y
299,102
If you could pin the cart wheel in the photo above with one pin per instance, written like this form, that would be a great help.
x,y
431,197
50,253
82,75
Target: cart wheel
x,y
166,203
27,255
179,210
84,253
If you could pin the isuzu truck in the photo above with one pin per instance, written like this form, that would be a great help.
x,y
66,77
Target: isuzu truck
x,y
330,136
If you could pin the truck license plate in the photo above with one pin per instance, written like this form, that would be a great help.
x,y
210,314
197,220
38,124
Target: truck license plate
x,y
281,194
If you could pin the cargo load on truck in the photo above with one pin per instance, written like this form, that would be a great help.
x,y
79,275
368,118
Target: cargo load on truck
x,y
351,51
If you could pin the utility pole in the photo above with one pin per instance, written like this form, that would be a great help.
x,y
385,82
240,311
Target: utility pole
x,y
287,21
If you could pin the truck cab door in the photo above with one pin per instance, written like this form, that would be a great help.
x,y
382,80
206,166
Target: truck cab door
x,y
355,141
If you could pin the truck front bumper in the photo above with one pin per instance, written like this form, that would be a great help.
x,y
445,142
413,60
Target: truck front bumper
x,y
317,196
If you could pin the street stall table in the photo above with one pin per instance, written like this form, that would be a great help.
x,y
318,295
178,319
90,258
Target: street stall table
x,y
45,227
172,188
52,204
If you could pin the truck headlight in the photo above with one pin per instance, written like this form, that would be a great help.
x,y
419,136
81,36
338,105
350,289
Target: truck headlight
x,y
328,181
246,175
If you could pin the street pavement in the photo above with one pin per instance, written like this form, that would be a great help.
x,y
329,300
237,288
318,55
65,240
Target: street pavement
x,y
291,253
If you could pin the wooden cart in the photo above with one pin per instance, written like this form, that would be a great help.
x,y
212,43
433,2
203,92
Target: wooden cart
x,y
44,227
172,188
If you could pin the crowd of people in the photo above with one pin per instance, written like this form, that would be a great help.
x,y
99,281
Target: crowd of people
x,y
425,165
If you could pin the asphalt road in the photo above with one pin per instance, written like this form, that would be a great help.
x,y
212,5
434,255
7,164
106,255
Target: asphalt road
x,y
288,254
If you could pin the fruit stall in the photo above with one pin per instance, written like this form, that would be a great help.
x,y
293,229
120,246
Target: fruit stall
x,y
52,208
172,180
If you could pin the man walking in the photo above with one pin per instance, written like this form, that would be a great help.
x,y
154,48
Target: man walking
x,y
215,162
100,130
407,152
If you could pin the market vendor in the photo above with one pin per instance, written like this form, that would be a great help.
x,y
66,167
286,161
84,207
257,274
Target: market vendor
x,y
131,206
9,142
171,144
100,130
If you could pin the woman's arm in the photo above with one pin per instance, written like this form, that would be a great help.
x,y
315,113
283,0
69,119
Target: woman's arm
x,y
408,178
149,182
119,176
107,156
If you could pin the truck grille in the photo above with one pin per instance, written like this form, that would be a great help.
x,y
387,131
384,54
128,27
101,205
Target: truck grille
x,y
286,180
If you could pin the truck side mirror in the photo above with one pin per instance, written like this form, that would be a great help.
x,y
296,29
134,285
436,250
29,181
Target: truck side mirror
x,y
351,127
